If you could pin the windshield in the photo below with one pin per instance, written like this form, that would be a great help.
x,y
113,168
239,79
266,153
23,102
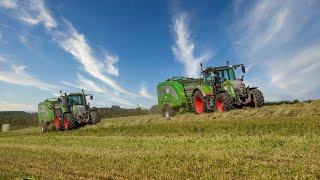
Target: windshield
x,y
226,74
75,100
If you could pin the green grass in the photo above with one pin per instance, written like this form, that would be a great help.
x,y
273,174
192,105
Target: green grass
x,y
274,142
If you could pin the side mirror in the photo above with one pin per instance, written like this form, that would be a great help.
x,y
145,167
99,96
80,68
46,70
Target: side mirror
x,y
91,97
243,69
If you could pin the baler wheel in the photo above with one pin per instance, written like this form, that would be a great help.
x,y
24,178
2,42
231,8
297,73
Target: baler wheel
x,y
168,112
44,127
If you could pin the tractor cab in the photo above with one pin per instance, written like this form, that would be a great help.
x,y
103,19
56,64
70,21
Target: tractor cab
x,y
76,99
217,75
223,78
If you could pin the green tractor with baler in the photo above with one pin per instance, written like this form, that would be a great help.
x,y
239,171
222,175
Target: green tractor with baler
x,y
217,89
69,111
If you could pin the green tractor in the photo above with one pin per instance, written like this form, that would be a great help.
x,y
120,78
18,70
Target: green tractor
x,y
67,112
217,89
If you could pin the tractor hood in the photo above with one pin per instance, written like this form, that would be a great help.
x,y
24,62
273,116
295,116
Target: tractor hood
x,y
79,109
239,85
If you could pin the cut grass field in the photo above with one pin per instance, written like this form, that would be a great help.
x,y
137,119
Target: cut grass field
x,y
280,141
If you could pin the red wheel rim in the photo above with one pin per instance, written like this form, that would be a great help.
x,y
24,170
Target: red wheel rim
x,y
65,123
56,122
199,105
220,106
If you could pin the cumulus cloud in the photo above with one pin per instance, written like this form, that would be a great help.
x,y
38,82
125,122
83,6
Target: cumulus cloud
x,y
184,47
144,92
282,40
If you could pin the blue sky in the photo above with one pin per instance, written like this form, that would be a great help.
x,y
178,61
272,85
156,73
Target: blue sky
x,y
120,50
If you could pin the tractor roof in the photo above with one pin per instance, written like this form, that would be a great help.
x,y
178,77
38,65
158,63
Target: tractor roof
x,y
76,93
216,68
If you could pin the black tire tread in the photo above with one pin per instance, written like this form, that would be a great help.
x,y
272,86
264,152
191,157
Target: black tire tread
x,y
72,122
227,100
259,97
95,117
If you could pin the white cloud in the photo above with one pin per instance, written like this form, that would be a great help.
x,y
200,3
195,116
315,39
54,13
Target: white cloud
x,y
184,47
2,59
144,92
299,75
23,39
86,84
5,106
17,75
76,44
34,12
105,95
110,62
282,41
8,4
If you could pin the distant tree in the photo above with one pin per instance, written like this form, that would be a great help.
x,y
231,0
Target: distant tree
x,y
154,109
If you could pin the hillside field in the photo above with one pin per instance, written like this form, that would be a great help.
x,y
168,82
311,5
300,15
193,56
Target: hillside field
x,y
273,142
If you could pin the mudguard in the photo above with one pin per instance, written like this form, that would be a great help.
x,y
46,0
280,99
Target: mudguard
x,y
205,90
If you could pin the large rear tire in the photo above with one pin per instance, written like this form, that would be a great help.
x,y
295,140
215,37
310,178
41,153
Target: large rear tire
x,y
257,99
223,102
198,103
95,117
69,122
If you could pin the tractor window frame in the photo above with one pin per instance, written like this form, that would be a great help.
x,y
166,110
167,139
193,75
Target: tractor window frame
x,y
77,99
207,78
232,76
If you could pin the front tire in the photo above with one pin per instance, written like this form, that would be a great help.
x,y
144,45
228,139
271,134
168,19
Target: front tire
x,y
223,102
69,122
257,99
95,117
198,103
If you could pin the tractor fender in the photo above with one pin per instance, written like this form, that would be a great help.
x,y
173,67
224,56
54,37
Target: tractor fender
x,y
205,91
196,89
